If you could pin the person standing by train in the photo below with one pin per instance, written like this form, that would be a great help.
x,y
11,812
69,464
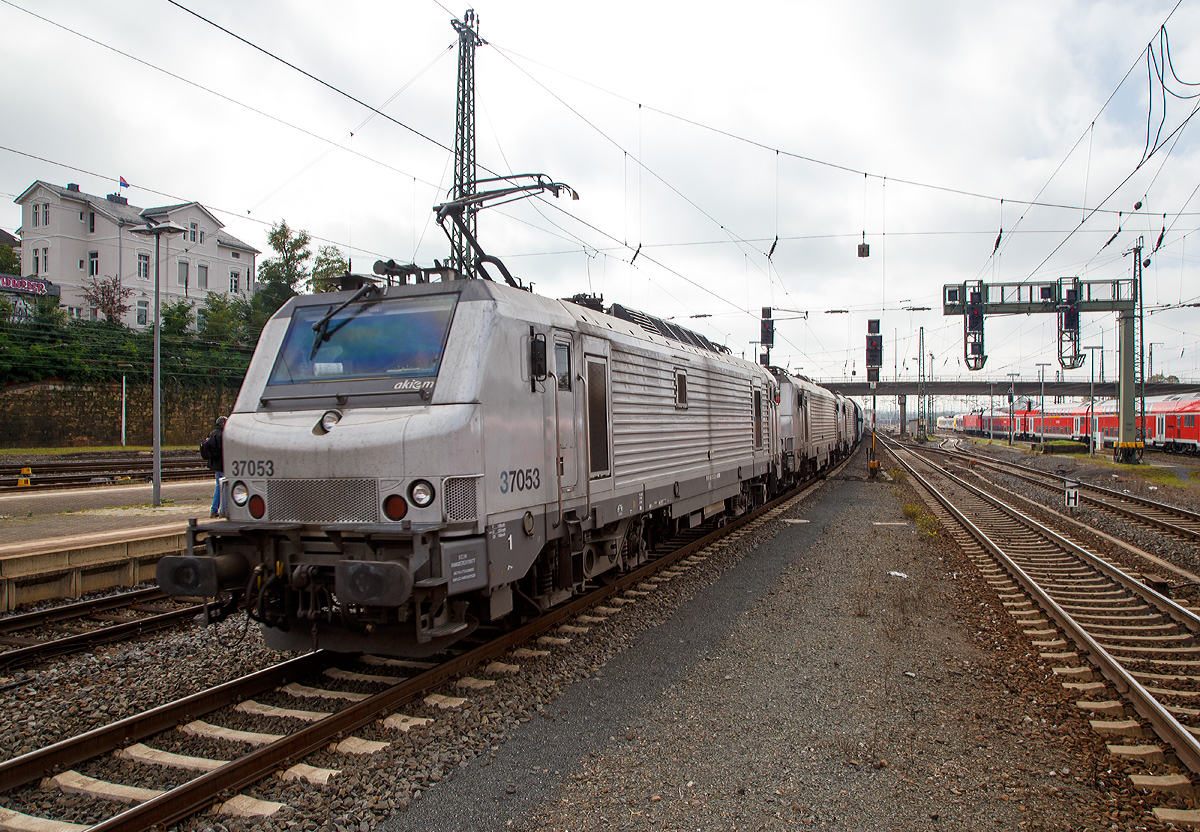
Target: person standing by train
x,y
212,449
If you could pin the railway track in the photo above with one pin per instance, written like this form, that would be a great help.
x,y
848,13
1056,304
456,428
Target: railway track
x,y
97,471
1131,653
360,696
1176,521
86,624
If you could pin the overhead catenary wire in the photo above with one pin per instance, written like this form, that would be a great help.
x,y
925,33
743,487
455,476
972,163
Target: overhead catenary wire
x,y
203,88
309,75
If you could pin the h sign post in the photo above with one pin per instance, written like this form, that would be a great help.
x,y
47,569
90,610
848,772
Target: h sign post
x,y
1071,493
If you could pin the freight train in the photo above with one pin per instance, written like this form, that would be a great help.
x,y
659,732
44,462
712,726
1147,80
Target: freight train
x,y
405,461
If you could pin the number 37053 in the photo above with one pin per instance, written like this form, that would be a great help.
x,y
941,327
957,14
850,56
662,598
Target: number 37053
x,y
521,479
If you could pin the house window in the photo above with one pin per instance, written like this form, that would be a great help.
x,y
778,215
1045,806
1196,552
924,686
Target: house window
x,y
93,264
81,216
237,255
36,269
680,390
144,266
91,222
74,312
233,281
46,213
201,276
37,220
94,314
183,273
46,261
192,235
143,312
202,236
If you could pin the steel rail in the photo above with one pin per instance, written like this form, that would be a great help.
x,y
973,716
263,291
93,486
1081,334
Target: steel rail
x,y
1038,478
1168,606
1186,746
1110,492
9,484
195,795
23,656
129,460
48,761
79,609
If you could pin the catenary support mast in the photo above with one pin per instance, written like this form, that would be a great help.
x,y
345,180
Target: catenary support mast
x,y
461,254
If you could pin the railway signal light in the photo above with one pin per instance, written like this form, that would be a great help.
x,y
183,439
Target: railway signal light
x,y
1071,312
975,313
874,351
767,335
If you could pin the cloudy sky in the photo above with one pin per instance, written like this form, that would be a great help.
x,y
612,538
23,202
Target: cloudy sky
x,y
699,132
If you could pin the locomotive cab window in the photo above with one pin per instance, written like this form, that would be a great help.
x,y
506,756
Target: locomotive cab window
x,y
562,364
681,390
401,338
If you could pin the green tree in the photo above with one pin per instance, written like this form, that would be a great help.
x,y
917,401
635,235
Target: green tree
x,y
177,318
10,261
330,265
279,276
223,318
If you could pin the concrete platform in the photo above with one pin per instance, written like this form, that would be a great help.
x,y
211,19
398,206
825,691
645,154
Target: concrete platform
x,y
65,544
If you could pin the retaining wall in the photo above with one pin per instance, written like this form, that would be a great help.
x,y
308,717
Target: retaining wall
x,y
52,415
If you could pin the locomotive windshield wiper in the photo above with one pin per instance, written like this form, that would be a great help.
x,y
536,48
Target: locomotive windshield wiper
x,y
321,327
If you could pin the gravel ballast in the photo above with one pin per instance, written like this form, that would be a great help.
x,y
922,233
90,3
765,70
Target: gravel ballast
x,y
788,679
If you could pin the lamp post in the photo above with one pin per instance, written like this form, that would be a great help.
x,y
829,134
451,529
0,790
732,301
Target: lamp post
x,y
1012,382
123,367
991,411
1042,409
1153,344
157,232
1092,403
932,418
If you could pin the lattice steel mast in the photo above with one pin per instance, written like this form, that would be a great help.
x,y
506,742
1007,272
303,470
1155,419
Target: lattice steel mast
x,y
461,255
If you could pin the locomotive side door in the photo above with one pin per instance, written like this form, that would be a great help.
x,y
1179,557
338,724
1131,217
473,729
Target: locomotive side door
x,y
597,375
1159,427
565,409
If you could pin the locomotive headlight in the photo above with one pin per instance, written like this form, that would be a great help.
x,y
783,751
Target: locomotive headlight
x,y
328,419
421,493
239,493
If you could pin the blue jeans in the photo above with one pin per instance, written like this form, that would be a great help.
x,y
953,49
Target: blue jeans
x,y
216,503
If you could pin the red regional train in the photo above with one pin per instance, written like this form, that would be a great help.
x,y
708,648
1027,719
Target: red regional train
x,y
1172,422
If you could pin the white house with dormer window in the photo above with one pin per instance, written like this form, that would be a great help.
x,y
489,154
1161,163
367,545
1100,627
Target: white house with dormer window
x,y
68,236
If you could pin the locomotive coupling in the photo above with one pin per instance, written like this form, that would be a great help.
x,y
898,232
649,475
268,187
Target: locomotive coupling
x,y
201,576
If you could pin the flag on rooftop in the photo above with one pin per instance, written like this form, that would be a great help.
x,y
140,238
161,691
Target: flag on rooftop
x,y
124,184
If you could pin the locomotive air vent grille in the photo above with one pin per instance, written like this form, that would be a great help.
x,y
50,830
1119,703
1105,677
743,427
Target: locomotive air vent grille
x,y
322,501
460,498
